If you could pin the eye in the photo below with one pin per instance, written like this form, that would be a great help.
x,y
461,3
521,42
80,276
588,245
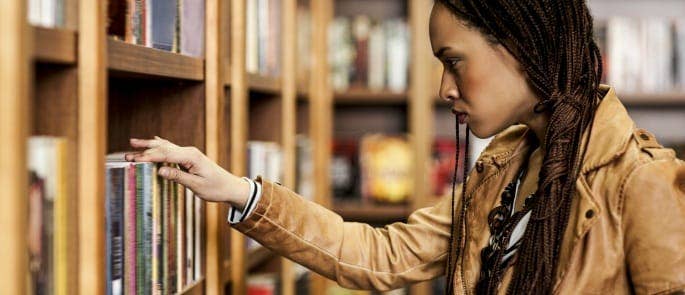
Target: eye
x,y
452,62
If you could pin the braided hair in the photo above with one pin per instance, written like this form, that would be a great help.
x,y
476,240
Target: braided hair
x,y
553,42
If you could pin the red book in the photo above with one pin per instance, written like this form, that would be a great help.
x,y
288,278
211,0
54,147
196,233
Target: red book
x,y
130,231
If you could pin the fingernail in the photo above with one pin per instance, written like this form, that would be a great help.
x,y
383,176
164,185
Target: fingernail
x,y
163,172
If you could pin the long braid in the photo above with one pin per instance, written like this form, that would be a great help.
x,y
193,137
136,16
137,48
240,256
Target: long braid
x,y
455,238
552,40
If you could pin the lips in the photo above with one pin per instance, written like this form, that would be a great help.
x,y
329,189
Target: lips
x,y
461,116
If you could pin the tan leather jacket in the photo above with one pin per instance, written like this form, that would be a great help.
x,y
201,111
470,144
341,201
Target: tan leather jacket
x,y
626,232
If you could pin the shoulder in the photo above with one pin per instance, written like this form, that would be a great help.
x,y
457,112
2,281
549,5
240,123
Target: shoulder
x,y
650,172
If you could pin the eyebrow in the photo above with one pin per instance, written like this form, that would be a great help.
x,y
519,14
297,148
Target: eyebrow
x,y
441,51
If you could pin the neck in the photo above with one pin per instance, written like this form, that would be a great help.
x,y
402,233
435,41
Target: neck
x,y
538,124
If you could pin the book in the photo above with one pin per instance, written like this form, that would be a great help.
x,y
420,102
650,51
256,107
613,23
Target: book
x,y
163,14
114,235
368,54
49,159
386,168
344,169
190,237
149,248
192,27
145,174
37,243
442,171
642,55
130,238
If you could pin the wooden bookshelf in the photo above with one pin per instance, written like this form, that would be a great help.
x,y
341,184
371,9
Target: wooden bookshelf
x,y
371,212
258,256
366,96
196,288
667,99
51,45
263,84
139,61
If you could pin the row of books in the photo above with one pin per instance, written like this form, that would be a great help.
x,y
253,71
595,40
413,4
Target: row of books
x,y
369,54
51,220
46,13
264,159
263,32
643,55
154,230
379,168
304,44
171,25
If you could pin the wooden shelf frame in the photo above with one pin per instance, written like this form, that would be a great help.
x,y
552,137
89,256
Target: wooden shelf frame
x,y
371,212
54,45
366,97
196,288
143,61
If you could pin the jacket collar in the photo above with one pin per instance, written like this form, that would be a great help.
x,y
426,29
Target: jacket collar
x,y
610,133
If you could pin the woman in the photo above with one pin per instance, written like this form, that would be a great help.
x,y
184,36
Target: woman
x,y
569,197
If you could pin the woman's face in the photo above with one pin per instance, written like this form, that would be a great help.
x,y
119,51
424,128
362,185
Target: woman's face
x,y
481,79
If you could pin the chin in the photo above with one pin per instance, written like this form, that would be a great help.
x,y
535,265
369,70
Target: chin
x,y
482,133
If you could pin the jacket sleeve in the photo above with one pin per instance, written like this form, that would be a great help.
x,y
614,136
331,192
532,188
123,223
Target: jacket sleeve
x,y
654,226
355,255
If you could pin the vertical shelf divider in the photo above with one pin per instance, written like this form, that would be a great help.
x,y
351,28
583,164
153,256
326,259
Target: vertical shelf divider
x,y
420,109
14,130
289,111
215,101
238,117
320,114
92,100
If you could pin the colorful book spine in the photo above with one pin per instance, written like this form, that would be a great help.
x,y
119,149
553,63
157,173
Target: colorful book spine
x,y
114,233
157,263
130,240
190,234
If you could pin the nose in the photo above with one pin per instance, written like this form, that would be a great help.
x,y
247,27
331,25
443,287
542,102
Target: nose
x,y
448,88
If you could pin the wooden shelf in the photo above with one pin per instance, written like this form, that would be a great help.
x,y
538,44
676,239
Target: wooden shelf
x,y
653,99
264,84
366,96
140,61
371,212
196,288
258,256
52,45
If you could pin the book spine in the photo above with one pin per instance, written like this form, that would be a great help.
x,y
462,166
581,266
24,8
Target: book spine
x,y
190,236
165,236
130,232
198,242
157,233
114,214
148,236
61,217
180,237
172,236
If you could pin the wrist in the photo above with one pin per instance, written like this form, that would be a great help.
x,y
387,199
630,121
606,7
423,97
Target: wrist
x,y
240,194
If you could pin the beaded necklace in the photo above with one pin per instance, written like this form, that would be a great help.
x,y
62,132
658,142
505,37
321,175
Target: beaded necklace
x,y
506,229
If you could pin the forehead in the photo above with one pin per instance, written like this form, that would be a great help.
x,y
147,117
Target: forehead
x,y
447,30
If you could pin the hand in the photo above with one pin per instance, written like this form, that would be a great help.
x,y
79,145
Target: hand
x,y
204,177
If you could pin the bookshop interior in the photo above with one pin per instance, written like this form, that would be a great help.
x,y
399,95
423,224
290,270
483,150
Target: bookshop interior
x,y
335,99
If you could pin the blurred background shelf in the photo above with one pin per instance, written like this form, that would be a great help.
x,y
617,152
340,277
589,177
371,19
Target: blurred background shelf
x,y
264,84
196,288
371,212
672,99
131,60
53,45
370,97
258,256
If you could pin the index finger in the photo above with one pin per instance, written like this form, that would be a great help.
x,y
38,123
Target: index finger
x,y
145,143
